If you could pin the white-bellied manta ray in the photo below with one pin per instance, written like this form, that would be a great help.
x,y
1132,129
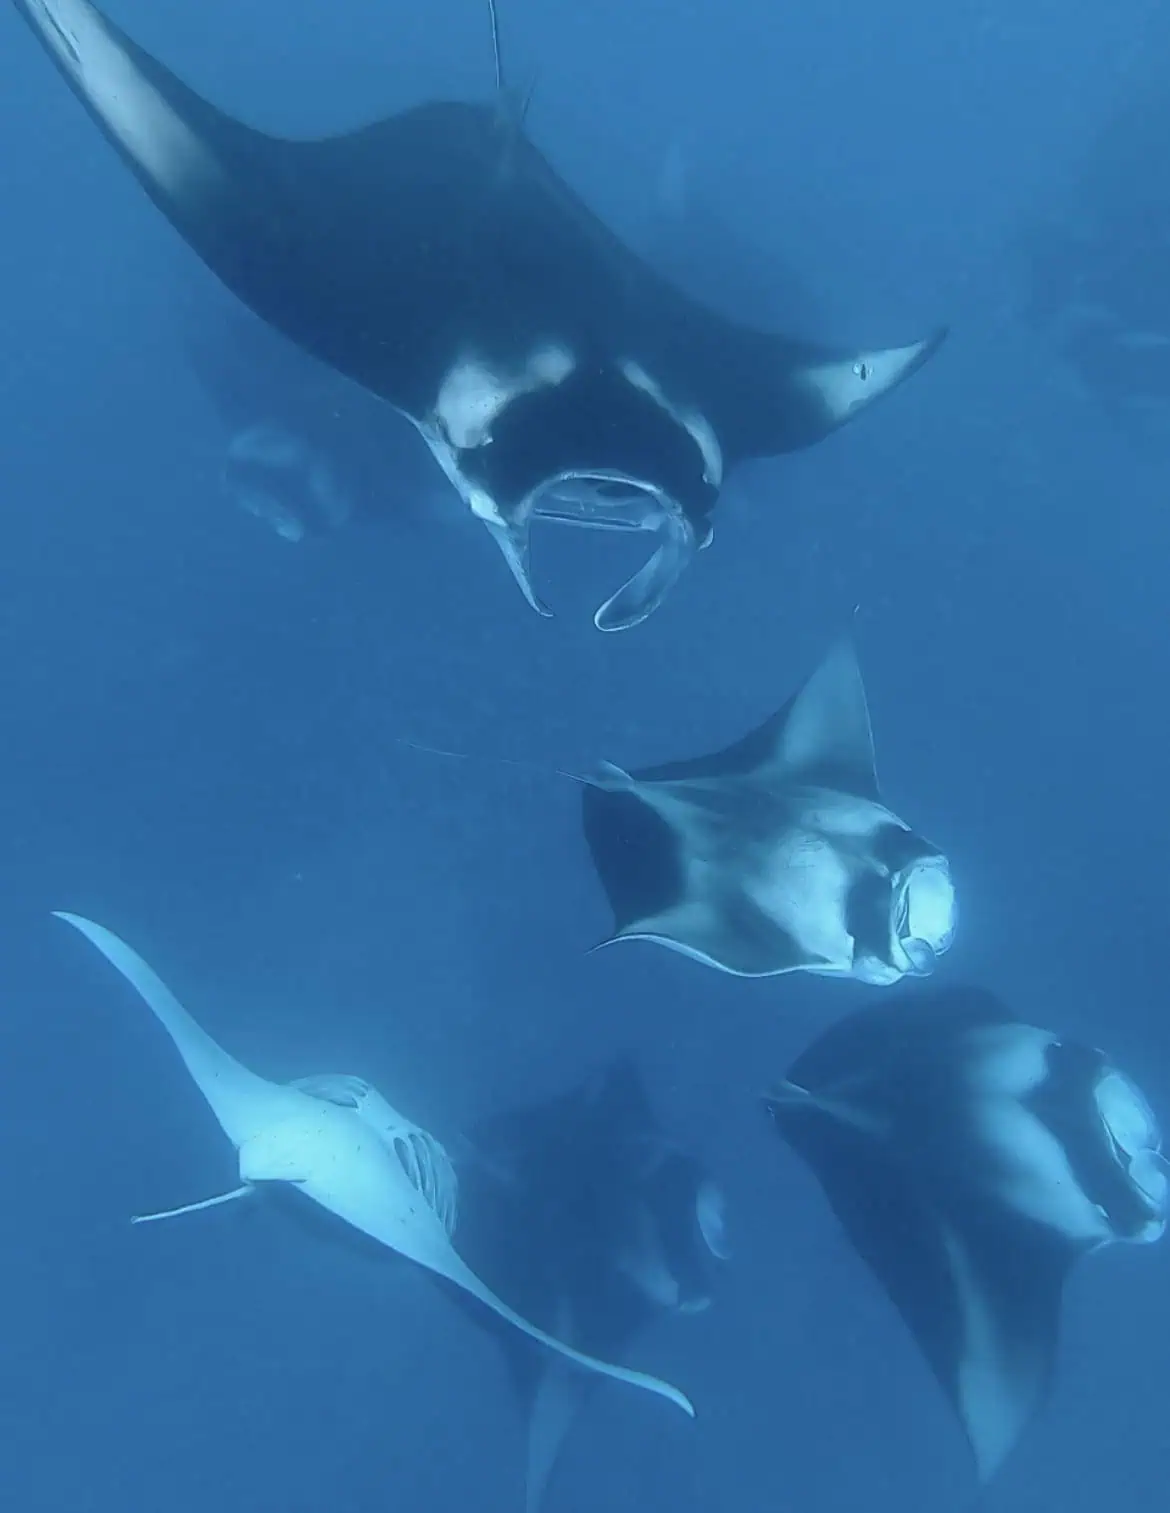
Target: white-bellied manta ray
x,y
336,1140
438,259
776,854
971,1159
620,1225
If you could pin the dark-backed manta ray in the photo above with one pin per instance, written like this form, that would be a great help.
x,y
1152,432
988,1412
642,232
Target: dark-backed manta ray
x,y
436,258
971,1159
309,452
620,1227
777,854
336,1140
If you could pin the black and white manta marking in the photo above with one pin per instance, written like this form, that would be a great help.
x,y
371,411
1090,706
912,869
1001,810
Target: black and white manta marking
x,y
619,1226
436,258
777,854
971,1160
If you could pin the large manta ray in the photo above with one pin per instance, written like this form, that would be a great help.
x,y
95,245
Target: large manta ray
x,y
580,1210
436,258
308,452
971,1159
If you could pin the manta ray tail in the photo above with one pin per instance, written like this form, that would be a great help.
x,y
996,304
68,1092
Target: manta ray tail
x,y
500,761
497,52
513,112
193,1208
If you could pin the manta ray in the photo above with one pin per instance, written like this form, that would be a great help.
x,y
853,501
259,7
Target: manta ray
x,y
309,453
972,1158
436,258
336,1141
621,1226
776,854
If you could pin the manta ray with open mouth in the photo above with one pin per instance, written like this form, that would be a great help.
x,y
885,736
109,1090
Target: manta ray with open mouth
x,y
436,258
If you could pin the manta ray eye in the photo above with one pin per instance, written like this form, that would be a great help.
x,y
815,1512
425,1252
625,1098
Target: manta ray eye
x,y
862,370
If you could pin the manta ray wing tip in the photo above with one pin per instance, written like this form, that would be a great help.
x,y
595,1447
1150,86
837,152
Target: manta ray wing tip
x,y
934,341
600,945
80,923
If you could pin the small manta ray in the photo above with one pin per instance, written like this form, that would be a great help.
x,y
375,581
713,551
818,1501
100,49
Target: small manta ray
x,y
307,452
620,1226
437,259
335,1139
777,854
971,1160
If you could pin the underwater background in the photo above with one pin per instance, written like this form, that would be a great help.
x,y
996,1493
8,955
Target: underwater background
x,y
203,749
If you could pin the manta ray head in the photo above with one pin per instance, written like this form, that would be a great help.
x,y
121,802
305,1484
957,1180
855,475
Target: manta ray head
x,y
1135,1140
903,915
600,446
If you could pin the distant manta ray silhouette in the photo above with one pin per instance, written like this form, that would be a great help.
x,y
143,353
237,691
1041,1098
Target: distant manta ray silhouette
x,y
335,1139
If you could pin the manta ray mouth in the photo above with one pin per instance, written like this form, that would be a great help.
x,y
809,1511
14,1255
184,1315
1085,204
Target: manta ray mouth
x,y
925,915
615,501
595,447
600,502
606,500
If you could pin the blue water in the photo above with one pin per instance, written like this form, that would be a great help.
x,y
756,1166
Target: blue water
x,y
201,750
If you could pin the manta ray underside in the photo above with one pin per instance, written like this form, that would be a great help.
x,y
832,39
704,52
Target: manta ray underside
x,y
973,1159
776,854
437,258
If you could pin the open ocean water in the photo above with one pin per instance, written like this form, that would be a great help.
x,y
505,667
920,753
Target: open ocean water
x,y
203,750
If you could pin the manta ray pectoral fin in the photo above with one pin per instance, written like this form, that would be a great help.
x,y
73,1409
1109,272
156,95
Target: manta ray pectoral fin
x,y
194,1208
823,734
375,1209
821,737
841,387
746,945
641,595
181,149
979,1289
456,1271
243,1103
1007,1303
